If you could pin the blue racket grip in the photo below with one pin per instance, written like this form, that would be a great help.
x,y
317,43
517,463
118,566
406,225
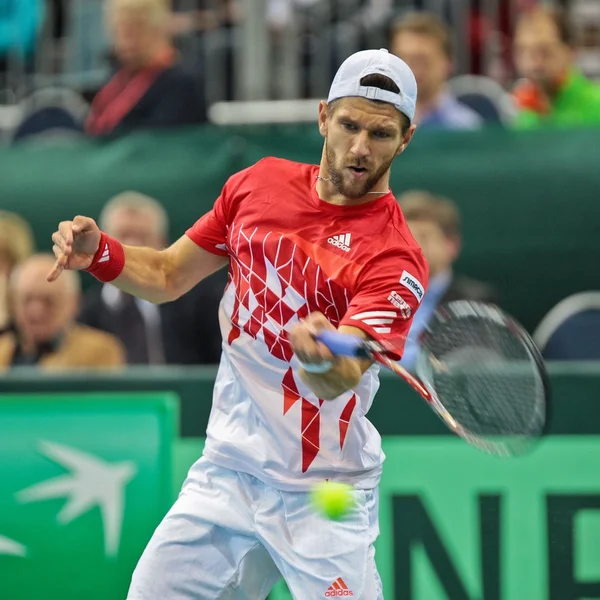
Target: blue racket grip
x,y
341,344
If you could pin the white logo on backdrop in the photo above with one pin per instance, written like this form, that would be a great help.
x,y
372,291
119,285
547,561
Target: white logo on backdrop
x,y
12,548
92,482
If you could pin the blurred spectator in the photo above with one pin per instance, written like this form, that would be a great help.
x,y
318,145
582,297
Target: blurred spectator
x,y
435,224
16,244
423,41
150,88
185,331
45,332
554,91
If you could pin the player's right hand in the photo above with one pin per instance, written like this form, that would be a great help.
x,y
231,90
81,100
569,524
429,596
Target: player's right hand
x,y
302,339
75,244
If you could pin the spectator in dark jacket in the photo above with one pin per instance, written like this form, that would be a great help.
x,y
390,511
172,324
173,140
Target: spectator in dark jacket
x,y
149,89
185,331
435,224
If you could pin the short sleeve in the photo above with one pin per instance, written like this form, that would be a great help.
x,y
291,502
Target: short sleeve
x,y
210,230
388,294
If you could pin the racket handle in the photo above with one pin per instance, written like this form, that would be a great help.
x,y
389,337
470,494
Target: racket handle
x,y
341,344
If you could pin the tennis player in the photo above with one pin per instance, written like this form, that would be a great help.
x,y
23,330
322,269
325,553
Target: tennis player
x,y
308,248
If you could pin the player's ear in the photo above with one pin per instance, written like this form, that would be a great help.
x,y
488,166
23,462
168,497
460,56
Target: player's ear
x,y
323,114
406,137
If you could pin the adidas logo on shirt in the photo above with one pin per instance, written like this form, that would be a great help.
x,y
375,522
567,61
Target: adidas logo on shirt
x,y
338,589
341,241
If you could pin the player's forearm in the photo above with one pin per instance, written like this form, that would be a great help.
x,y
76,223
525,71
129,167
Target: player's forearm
x,y
344,376
147,275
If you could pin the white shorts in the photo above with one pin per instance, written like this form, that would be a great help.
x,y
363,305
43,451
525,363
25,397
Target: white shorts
x,y
231,537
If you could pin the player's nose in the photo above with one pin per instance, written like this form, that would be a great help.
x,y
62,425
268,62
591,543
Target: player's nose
x,y
360,146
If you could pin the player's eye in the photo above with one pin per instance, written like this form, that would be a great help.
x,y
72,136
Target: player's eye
x,y
381,135
348,126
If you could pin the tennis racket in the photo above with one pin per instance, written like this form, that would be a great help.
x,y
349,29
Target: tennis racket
x,y
478,369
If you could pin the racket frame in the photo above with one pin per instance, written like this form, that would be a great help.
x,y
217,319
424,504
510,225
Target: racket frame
x,y
460,309
379,352
428,394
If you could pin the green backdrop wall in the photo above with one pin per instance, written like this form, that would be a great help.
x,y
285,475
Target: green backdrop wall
x,y
530,201
456,523
84,480
397,409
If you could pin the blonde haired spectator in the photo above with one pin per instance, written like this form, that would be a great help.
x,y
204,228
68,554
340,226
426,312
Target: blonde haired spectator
x,y
16,244
150,88
45,332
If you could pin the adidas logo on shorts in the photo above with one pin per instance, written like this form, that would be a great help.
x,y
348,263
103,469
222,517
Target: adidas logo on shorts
x,y
338,589
341,241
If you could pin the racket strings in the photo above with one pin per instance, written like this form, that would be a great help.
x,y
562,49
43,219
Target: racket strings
x,y
484,376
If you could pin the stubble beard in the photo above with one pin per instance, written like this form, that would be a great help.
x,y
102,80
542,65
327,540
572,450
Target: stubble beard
x,y
357,189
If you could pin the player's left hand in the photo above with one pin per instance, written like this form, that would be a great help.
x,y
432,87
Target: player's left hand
x,y
304,344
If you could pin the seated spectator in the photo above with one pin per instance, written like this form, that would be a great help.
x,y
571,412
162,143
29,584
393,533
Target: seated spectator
x,y
554,91
423,42
150,89
45,332
16,244
435,225
185,331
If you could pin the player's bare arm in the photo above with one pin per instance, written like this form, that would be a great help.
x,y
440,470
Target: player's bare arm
x,y
155,275
345,372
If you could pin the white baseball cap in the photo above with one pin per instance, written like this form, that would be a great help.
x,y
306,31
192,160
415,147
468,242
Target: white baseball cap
x,y
346,82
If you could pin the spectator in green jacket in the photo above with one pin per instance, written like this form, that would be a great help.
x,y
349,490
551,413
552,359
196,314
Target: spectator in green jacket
x,y
553,91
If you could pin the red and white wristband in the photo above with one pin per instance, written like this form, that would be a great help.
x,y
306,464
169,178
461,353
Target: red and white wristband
x,y
109,260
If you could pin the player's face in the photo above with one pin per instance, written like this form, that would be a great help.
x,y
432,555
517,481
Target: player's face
x,y
362,138
540,55
439,250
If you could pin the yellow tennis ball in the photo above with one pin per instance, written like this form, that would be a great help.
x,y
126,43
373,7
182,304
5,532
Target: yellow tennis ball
x,y
332,499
